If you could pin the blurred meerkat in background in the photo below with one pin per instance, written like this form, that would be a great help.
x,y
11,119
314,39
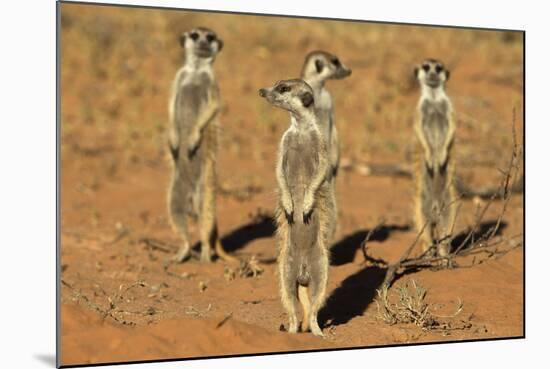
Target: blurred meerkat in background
x,y
435,203
194,107
320,66
305,211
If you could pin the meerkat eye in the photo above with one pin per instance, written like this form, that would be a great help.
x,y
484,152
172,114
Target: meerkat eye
x,y
438,68
336,62
426,67
194,36
282,89
319,65
210,37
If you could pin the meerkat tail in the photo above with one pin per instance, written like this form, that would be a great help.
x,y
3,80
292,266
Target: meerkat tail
x,y
303,297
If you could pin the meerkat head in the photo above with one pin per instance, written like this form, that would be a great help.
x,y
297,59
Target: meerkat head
x,y
293,95
432,73
320,65
201,42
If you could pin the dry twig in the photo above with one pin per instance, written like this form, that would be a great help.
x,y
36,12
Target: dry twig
x,y
113,301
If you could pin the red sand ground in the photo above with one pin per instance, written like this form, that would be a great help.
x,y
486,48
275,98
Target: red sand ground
x,y
116,69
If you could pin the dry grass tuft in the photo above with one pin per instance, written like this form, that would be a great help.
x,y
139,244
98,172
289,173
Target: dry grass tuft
x,y
247,269
411,307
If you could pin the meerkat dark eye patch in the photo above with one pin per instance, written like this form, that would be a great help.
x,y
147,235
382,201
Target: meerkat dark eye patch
x,y
282,89
319,65
438,68
307,99
336,62
447,75
426,67
194,36
210,37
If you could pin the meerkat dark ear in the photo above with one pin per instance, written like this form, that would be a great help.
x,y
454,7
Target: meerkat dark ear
x,y
415,72
182,39
307,99
318,65
220,44
447,74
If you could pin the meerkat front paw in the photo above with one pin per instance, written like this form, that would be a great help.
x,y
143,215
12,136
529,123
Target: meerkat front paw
x,y
308,206
441,161
193,143
430,165
288,208
174,151
334,171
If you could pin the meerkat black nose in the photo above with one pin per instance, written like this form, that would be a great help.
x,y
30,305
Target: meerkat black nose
x,y
263,92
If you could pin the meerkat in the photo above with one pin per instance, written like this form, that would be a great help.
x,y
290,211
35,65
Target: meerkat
x,y
194,107
320,66
435,205
305,213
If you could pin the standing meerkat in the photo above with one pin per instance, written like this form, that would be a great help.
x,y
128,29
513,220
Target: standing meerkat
x,y
305,212
194,108
320,66
435,207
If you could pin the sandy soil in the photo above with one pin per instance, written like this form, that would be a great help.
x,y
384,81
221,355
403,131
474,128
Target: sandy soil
x,y
117,65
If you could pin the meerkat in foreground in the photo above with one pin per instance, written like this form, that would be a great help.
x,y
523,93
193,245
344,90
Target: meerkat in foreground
x,y
320,66
435,206
305,211
194,108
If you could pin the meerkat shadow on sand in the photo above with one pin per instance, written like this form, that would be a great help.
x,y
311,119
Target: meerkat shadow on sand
x,y
344,251
483,230
352,297
260,227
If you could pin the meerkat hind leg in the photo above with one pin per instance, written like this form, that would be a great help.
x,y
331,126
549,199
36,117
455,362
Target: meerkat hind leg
x,y
207,215
209,228
178,219
423,221
184,252
317,288
289,295
180,223
447,223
